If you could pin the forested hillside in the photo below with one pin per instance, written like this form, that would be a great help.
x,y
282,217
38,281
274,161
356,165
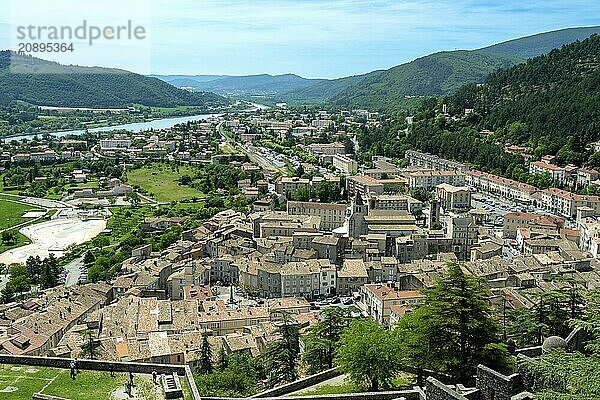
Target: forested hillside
x,y
444,72
534,45
436,74
549,103
48,83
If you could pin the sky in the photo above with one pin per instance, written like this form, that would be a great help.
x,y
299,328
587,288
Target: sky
x,y
311,38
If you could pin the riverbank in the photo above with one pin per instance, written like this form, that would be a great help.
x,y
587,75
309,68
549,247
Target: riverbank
x,y
158,123
137,126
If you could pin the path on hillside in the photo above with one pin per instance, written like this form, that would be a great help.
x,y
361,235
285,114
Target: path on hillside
x,y
335,381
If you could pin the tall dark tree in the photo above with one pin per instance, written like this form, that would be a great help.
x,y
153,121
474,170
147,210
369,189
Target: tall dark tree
x,y
454,331
34,268
281,357
205,366
323,338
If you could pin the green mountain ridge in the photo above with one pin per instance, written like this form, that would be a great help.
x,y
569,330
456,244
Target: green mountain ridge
x,y
242,86
549,103
431,75
534,45
435,74
47,83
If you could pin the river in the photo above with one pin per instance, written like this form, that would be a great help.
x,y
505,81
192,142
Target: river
x,y
136,127
132,127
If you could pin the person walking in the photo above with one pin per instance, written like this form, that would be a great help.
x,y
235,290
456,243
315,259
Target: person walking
x,y
154,375
72,370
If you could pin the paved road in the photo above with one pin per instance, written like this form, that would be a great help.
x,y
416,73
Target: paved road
x,y
73,271
254,156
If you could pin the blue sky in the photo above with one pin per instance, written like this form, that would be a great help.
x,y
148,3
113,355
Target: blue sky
x,y
312,38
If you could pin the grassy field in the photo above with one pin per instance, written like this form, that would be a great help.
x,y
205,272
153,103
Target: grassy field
x,y
125,220
10,212
21,241
162,182
21,382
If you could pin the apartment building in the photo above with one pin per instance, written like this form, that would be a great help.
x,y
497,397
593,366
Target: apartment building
x,y
116,143
428,180
332,215
310,279
565,203
282,224
344,164
434,162
453,197
378,300
516,220
501,187
290,185
364,185
464,233
351,277
589,235
398,202
585,176
326,149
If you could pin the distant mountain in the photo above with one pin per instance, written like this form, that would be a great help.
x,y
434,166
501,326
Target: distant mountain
x,y
319,92
255,85
187,80
392,89
242,86
435,74
42,82
532,46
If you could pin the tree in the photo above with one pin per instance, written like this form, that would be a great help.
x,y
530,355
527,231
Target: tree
x,y
453,331
33,266
205,356
9,238
15,288
327,192
238,379
133,198
281,357
323,338
303,194
590,321
369,354
222,359
50,272
89,258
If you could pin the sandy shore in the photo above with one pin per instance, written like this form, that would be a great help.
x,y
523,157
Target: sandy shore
x,y
53,236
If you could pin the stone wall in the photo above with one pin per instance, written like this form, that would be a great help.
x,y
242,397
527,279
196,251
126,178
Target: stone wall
x,y
496,386
103,365
534,351
436,390
299,384
95,365
413,394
